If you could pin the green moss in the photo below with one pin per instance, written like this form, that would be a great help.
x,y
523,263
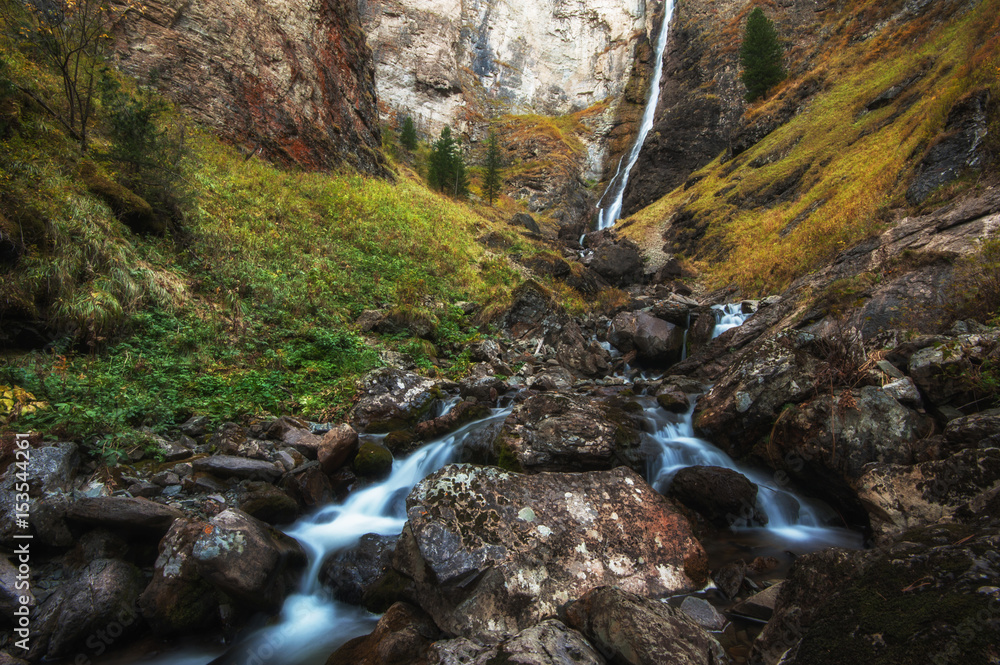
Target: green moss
x,y
506,457
372,460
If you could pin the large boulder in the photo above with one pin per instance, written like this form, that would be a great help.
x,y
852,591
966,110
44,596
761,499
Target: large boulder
x,y
633,630
49,473
620,263
392,399
247,559
826,442
899,497
119,512
928,598
230,466
99,600
350,573
722,496
492,553
943,368
551,642
552,431
178,600
402,635
654,340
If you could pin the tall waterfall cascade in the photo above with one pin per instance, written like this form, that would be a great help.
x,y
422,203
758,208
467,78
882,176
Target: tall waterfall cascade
x,y
609,212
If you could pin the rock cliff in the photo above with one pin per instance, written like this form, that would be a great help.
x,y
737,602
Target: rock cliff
x,y
294,81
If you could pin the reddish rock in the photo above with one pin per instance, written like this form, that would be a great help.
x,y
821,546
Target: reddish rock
x,y
293,81
492,553
402,635
338,446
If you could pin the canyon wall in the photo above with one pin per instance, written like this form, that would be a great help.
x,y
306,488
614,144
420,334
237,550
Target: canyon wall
x,y
294,81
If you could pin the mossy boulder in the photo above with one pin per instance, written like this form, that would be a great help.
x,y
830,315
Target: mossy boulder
x,y
134,211
373,460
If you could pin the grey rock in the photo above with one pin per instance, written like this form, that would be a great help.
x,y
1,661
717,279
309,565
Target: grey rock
x,y
703,613
229,466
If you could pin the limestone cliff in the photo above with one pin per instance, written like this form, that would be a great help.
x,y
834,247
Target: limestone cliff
x,y
294,80
452,61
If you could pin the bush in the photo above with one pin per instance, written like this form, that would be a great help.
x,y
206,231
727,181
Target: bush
x,y
760,55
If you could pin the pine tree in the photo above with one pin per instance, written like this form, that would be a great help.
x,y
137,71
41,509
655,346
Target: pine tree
x,y
492,181
408,134
760,55
446,168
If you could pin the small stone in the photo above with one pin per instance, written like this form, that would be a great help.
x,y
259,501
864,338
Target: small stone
x,y
703,613
890,369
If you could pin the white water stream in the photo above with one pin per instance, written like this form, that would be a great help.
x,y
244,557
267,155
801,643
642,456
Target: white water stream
x,y
311,625
608,213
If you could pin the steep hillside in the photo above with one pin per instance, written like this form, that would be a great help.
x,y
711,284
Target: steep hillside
x,y
891,103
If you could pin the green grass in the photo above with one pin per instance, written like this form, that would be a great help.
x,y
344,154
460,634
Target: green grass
x,y
853,167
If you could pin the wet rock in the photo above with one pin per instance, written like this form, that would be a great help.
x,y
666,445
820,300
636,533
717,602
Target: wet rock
x,y
579,355
349,574
492,552
392,399
825,443
672,399
309,486
746,400
551,642
729,578
462,413
338,446
373,460
628,628
402,635
655,341
178,600
269,504
100,597
759,606
703,613
899,497
228,466
567,432
619,263
120,512
722,496
247,559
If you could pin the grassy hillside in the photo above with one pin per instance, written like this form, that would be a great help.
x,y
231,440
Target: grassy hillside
x,y
246,304
834,172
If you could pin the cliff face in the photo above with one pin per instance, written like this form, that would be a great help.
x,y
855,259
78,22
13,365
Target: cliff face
x,y
451,61
294,80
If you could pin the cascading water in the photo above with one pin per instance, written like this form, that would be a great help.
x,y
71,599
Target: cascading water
x,y
609,212
728,316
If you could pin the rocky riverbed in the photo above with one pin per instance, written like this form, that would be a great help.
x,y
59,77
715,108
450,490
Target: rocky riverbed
x,y
540,535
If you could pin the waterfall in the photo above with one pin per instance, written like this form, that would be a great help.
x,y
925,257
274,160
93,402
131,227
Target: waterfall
x,y
608,214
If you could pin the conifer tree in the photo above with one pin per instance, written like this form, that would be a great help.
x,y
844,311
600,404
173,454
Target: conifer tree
x,y
446,168
408,134
492,181
760,55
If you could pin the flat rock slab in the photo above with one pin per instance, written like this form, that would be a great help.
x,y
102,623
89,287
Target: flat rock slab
x,y
230,466
124,512
759,606
493,552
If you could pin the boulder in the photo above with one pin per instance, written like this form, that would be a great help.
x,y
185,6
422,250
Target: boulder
x,y
309,486
338,446
482,384
582,356
552,431
492,553
825,443
178,600
402,635
928,598
619,263
269,504
350,573
133,210
460,414
228,466
10,593
550,642
533,308
654,340
703,613
942,368
247,559
899,497
119,512
527,221
628,628
722,496
392,399
296,434
49,473
976,430
373,460
98,600
672,399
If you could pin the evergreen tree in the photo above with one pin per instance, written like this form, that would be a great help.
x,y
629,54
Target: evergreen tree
x,y
760,55
446,168
408,134
492,181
